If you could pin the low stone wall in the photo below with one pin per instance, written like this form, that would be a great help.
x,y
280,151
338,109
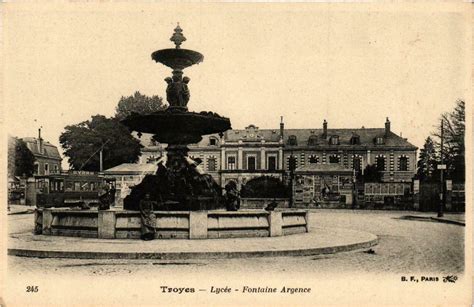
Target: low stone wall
x,y
294,222
121,224
237,224
261,203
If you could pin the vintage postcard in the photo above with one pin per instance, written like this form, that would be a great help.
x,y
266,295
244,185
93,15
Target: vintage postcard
x,y
236,154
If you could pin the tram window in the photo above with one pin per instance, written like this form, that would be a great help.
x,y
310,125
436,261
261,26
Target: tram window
x,y
77,186
84,186
61,186
69,185
92,186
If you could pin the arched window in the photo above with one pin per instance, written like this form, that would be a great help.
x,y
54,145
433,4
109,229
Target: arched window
x,y
380,162
357,163
403,163
313,159
290,160
334,159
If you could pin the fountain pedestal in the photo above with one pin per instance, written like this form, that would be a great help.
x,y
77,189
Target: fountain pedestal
x,y
178,185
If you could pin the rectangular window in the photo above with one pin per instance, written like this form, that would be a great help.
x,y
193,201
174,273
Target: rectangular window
x,y
211,164
69,186
251,163
36,169
271,163
231,163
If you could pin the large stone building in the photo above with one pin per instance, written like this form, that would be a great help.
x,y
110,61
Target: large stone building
x,y
242,154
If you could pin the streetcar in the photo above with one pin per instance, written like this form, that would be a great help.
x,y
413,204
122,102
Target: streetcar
x,y
70,189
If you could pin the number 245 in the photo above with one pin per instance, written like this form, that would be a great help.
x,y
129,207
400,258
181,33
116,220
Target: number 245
x,y
32,289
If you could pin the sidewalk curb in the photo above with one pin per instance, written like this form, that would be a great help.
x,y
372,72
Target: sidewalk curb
x,y
432,219
448,221
190,255
28,211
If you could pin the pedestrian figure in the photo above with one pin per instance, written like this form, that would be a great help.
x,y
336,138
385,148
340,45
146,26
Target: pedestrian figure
x,y
148,218
232,197
104,197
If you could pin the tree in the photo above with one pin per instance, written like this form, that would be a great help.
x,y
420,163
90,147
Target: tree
x,y
427,162
138,103
454,147
82,143
371,174
22,158
264,187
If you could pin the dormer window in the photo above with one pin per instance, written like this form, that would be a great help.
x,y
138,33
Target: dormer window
x,y
334,140
355,139
212,142
379,140
292,140
312,140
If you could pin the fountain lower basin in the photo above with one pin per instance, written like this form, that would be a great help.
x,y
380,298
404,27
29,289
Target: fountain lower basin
x,y
123,224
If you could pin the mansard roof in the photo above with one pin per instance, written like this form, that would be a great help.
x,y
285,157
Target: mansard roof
x,y
254,134
366,135
49,150
269,135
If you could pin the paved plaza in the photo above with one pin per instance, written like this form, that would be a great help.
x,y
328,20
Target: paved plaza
x,y
405,246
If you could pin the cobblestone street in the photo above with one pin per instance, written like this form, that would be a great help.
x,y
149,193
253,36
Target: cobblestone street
x,y
405,247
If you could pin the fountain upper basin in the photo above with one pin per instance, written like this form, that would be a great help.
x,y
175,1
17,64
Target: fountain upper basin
x,y
178,127
177,58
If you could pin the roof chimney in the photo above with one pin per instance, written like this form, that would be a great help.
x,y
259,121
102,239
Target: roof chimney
x,y
282,127
387,127
325,129
40,142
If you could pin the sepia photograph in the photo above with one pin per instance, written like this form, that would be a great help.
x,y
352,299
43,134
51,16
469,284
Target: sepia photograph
x,y
236,154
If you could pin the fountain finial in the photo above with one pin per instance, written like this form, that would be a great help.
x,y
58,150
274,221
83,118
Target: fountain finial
x,y
178,36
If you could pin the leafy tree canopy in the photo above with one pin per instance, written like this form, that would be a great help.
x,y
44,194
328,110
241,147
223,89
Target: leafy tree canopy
x,y
138,103
428,162
264,187
371,174
23,158
82,143
454,147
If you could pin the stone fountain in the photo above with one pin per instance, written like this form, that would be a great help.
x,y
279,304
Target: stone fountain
x,y
177,185
178,201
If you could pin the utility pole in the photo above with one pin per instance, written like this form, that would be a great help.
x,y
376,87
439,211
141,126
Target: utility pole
x,y
442,167
101,167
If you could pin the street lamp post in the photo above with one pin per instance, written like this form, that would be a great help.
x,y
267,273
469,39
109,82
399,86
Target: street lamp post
x,y
441,168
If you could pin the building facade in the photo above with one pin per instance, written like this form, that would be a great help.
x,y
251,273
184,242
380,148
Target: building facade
x,y
242,154
47,157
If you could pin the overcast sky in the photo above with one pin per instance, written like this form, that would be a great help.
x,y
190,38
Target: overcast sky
x,y
344,63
